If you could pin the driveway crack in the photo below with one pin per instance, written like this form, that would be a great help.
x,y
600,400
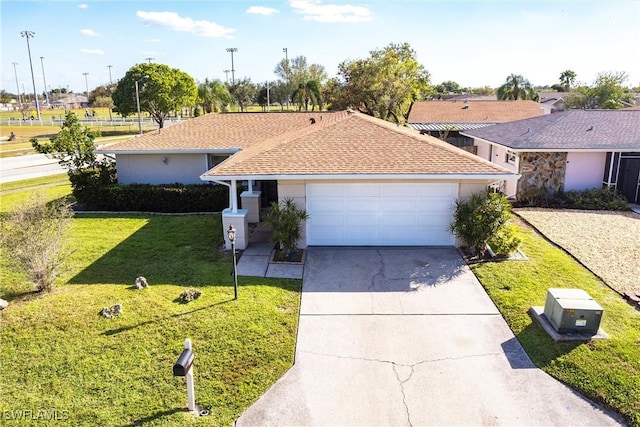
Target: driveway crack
x,y
375,278
396,369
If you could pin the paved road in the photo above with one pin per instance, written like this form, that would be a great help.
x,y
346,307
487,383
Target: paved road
x,y
409,337
25,167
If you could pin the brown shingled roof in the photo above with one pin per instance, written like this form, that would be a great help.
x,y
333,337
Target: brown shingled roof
x,y
476,111
353,144
225,131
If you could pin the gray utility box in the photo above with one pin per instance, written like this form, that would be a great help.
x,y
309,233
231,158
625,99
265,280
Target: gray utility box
x,y
572,311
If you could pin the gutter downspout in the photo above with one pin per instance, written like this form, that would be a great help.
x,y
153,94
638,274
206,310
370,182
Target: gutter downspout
x,y
233,200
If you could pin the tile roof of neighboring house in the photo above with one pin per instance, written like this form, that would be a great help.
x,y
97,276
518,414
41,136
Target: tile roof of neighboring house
x,y
604,130
458,113
353,144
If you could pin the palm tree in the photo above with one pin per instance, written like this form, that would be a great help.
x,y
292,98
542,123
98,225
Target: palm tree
x,y
308,92
213,96
567,78
516,87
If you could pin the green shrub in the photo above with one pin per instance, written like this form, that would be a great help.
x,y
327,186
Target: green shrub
x,y
482,218
96,189
505,240
593,199
284,219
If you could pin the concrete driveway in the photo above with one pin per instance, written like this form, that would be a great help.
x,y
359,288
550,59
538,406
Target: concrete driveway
x,y
404,336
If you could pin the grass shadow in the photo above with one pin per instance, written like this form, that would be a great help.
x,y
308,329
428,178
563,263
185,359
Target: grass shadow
x,y
149,322
541,348
156,416
176,250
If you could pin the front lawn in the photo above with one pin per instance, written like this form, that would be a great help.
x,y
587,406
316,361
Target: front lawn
x,y
607,371
58,354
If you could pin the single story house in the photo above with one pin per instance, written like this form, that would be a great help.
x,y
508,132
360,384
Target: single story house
x,y
447,119
363,181
570,150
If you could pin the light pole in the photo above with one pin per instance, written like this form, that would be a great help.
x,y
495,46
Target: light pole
x,y
86,86
138,104
15,71
46,94
149,59
231,233
109,67
226,75
232,50
28,34
286,71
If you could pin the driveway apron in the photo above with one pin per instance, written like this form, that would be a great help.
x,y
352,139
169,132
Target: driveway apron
x,y
408,336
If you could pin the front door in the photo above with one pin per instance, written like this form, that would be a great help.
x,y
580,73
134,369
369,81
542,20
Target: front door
x,y
629,182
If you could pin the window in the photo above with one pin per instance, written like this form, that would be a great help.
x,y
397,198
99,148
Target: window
x,y
510,157
214,159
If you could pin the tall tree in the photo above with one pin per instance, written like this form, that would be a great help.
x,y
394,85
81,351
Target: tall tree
x,y
161,90
567,78
308,93
280,93
516,87
383,85
213,96
298,70
243,92
448,87
607,92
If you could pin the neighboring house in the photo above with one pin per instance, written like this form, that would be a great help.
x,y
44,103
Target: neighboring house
x,y
554,100
447,119
570,150
68,102
363,181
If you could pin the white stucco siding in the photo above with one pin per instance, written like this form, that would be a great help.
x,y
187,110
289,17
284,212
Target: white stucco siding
x,y
152,169
484,149
498,154
584,171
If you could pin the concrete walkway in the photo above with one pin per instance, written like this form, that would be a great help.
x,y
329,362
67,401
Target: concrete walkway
x,y
254,260
409,337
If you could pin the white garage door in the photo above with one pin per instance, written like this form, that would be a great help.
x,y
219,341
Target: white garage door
x,y
380,214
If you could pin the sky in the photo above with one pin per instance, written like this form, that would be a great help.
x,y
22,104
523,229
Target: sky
x,y
474,43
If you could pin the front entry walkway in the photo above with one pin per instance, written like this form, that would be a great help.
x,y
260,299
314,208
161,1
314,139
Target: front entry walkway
x,y
407,336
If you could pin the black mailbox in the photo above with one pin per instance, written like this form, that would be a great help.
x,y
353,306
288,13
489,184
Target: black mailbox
x,y
183,364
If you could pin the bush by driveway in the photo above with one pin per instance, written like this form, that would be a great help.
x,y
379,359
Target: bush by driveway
x,y
607,242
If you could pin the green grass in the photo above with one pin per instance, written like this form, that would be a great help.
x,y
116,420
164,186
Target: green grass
x,y
607,371
13,194
58,353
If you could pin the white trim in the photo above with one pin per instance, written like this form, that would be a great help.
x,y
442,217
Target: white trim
x,y
384,177
228,151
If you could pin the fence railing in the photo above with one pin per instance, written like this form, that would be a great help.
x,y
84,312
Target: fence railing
x,y
91,121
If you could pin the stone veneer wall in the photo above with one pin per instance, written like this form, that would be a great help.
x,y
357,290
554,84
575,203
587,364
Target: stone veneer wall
x,y
544,171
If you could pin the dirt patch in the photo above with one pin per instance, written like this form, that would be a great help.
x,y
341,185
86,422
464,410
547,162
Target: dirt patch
x,y
608,243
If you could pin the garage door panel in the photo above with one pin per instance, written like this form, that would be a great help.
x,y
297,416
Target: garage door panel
x,y
399,190
362,190
397,204
362,204
380,214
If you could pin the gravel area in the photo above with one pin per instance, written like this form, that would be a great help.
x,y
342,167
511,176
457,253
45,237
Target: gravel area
x,y
608,243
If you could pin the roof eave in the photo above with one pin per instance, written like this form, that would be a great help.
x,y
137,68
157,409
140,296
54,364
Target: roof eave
x,y
347,176
172,151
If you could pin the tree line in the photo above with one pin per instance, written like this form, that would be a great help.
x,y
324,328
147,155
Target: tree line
x,y
383,84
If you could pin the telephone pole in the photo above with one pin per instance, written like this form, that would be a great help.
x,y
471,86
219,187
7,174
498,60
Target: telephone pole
x,y
232,50
15,71
46,94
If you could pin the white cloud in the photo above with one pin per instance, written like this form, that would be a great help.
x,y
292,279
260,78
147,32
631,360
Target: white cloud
x,y
261,10
314,10
176,22
92,51
83,6
88,32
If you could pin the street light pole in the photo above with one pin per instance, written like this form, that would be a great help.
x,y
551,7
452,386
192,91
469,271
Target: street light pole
x,y
46,94
286,64
226,75
138,103
15,71
86,85
28,34
109,67
149,59
232,50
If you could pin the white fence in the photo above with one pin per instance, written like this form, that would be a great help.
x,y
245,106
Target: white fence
x,y
92,121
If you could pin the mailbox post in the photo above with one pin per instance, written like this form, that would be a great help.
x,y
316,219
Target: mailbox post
x,y
183,368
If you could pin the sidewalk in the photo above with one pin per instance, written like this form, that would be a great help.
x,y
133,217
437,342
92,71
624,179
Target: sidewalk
x,y
254,260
